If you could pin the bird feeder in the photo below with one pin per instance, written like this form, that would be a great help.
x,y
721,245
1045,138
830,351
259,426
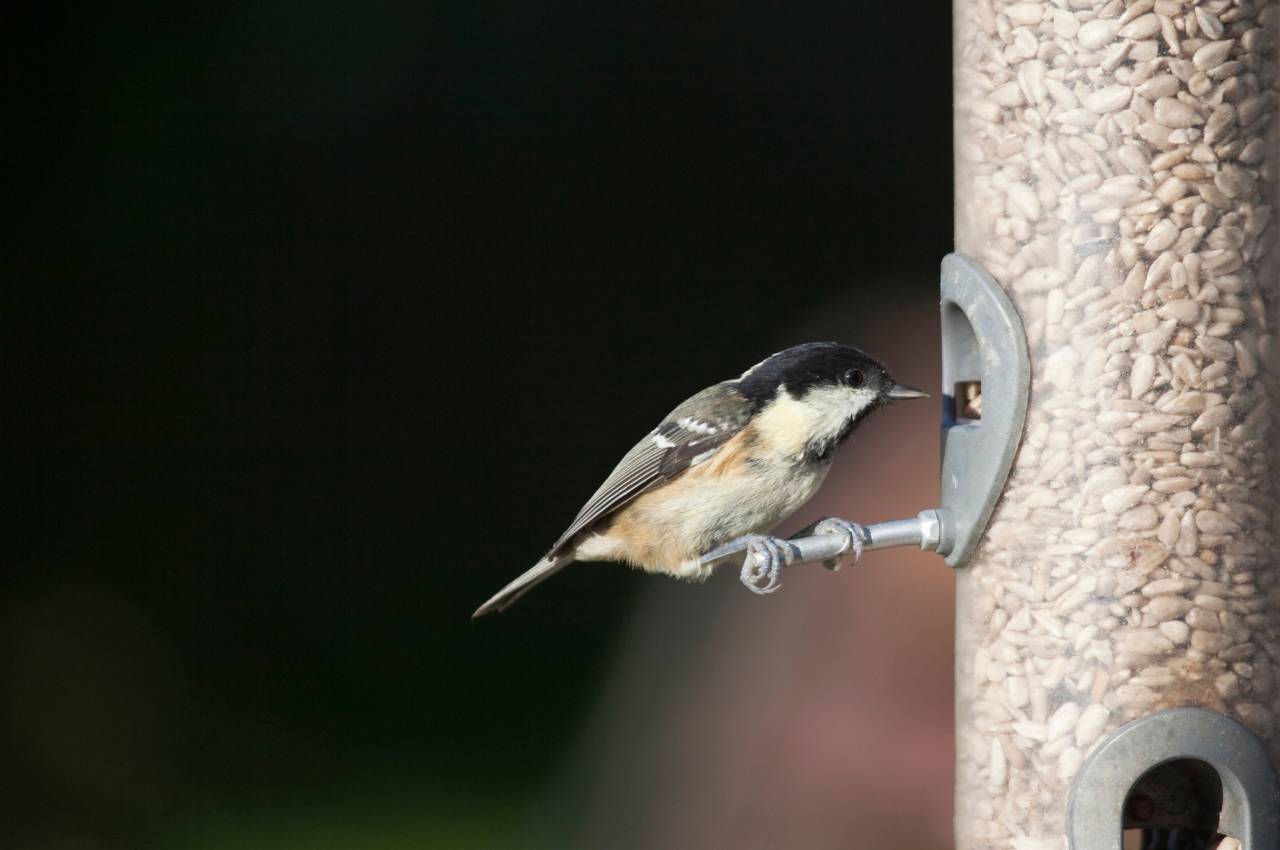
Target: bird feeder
x,y
1118,617
1111,383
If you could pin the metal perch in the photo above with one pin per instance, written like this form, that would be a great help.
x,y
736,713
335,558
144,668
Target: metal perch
x,y
760,558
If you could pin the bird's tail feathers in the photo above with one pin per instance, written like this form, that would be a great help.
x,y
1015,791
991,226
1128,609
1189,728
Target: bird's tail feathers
x,y
530,578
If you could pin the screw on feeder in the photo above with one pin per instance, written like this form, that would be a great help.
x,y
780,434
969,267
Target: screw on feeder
x,y
1139,808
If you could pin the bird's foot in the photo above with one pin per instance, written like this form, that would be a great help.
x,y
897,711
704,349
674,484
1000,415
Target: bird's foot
x,y
766,556
855,535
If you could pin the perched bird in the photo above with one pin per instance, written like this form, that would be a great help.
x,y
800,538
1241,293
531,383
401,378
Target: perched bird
x,y
736,459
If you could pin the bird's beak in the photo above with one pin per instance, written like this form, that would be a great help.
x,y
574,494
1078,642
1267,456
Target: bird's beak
x,y
904,391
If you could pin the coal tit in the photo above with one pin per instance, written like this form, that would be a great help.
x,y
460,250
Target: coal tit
x,y
736,459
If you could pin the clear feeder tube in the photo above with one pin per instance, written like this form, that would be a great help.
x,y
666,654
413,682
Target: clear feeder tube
x,y
1116,172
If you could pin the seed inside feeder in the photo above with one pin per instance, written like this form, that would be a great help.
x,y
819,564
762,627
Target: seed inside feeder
x,y
1118,172
968,398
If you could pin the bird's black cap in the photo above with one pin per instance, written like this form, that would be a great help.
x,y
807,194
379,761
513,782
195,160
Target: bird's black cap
x,y
811,364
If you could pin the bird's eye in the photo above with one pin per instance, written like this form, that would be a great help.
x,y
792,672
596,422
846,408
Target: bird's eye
x,y
855,378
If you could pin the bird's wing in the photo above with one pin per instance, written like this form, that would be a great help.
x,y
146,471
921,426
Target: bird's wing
x,y
689,435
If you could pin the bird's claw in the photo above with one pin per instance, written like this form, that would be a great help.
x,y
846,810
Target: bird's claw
x,y
761,557
854,534
765,558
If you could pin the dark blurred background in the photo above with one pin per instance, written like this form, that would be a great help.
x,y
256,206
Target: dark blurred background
x,y
321,323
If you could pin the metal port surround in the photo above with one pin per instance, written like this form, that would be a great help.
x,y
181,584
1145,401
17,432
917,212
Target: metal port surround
x,y
1249,793
982,341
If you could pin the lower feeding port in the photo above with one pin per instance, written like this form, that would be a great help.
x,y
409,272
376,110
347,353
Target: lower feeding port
x,y
1183,779
1179,802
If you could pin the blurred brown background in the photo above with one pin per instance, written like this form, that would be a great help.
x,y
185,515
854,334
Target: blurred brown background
x,y
324,319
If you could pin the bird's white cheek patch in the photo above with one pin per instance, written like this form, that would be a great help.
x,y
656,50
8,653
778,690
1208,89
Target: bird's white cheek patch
x,y
789,424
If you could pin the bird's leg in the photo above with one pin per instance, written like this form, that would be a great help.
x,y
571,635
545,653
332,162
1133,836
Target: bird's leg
x,y
765,558
762,557
854,534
